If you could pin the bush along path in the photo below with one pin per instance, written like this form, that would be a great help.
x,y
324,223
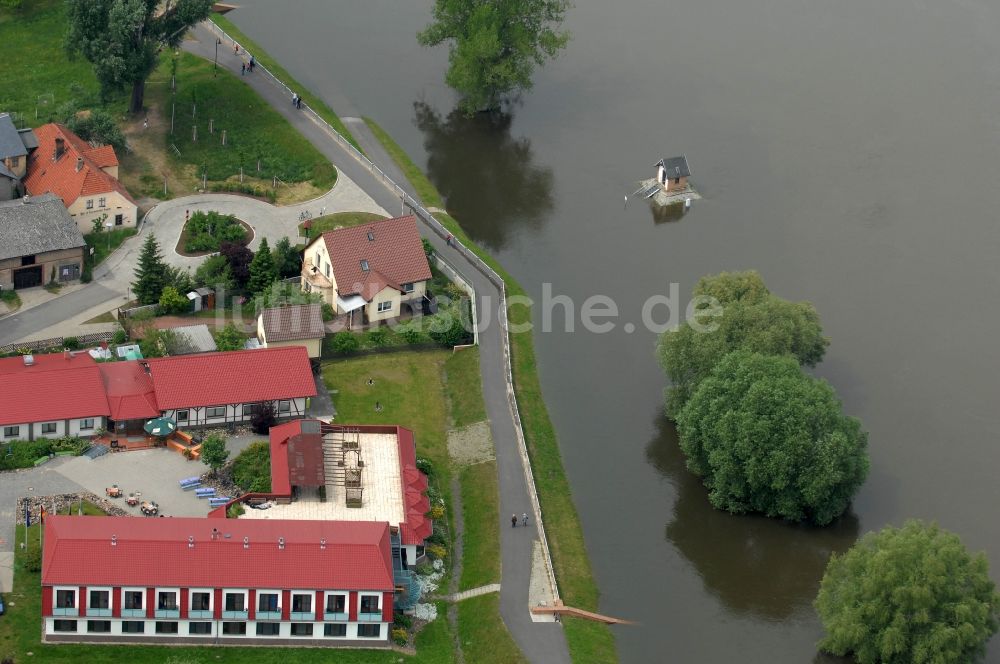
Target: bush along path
x,y
542,641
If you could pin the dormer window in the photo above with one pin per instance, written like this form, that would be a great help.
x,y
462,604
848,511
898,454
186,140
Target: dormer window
x,y
371,236
364,265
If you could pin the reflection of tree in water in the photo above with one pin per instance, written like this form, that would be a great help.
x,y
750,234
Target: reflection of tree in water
x,y
758,566
485,175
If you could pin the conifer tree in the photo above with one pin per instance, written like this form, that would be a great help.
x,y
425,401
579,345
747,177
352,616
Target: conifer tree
x,y
263,271
150,274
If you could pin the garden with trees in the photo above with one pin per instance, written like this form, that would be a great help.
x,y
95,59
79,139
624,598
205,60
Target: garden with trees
x,y
204,232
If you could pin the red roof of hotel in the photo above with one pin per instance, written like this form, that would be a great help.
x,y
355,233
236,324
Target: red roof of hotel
x,y
392,249
239,376
130,391
62,177
54,387
287,440
155,553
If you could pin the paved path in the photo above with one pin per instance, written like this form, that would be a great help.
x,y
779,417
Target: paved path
x,y
471,592
540,642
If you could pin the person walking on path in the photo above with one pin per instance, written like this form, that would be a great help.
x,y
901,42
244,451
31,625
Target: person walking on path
x,y
243,68
448,240
513,521
524,519
252,63
295,99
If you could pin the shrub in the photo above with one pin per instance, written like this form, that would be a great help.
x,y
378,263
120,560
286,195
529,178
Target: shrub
x,y
235,511
72,343
402,620
436,551
410,334
450,330
214,452
172,302
207,230
400,636
437,512
912,594
251,469
263,418
328,313
345,342
377,337
426,466
33,559
119,337
23,453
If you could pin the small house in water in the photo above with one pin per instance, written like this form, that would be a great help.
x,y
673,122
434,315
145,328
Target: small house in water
x,y
673,173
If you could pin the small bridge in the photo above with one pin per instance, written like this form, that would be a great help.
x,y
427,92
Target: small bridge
x,y
561,609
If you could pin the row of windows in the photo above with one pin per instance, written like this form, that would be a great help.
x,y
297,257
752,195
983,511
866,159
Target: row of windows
x,y
205,628
86,424
184,415
166,600
101,202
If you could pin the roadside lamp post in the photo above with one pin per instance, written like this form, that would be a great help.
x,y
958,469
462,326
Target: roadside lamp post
x,y
217,42
109,226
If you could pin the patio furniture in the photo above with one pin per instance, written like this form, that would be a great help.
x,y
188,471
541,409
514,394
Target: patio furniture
x,y
205,492
149,508
113,491
218,501
132,500
189,483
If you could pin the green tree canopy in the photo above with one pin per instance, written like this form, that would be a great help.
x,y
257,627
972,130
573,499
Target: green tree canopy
x,y
287,260
172,302
765,437
214,452
122,38
495,45
229,337
214,272
150,273
752,319
263,272
910,595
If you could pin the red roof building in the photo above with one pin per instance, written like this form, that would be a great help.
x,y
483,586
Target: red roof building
x,y
84,176
208,580
378,266
70,394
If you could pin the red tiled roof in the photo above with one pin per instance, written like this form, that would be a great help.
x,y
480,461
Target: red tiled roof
x,y
395,256
296,456
297,321
155,553
418,525
278,437
62,177
240,376
55,387
130,391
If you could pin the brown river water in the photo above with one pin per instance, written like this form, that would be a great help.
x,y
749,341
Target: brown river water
x,y
850,151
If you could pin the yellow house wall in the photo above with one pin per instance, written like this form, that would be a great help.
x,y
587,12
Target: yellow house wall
x,y
316,255
387,294
115,204
312,346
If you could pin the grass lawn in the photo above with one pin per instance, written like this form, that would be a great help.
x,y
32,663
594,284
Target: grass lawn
x,y
89,509
588,642
11,299
481,517
104,243
20,631
426,192
329,222
183,241
262,57
464,387
484,638
37,75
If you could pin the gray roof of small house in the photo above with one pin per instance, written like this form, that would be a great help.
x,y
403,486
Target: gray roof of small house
x,y
6,172
40,225
675,166
11,144
195,339
28,138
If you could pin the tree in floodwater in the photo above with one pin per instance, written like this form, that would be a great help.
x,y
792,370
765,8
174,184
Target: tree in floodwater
x,y
123,38
495,45
910,595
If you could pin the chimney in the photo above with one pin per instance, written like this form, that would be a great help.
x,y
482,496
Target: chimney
x,y
60,148
29,360
190,541
281,542
246,542
66,353
215,533
114,540
322,543
79,164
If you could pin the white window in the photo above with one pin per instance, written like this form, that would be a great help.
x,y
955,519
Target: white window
x,y
182,415
408,288
316,259
98,601
65,599
336,603
64,625
302,606
326,269
236,601
133,627
268,602
133,602
166,604
11,432
215,411
385,306
248,409
101,202
90,203
370,604
369,631
48,427
87,424
200,600
284,406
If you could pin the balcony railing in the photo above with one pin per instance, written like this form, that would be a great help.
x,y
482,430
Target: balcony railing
x,y
302,615
167,613
133,613
339,616
269,615
235,615
97,612
199,613
66,611
371,616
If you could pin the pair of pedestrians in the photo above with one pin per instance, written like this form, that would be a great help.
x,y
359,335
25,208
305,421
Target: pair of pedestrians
x,y
513,520
296,100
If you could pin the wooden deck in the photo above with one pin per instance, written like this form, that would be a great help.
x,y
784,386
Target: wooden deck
x,y
561,609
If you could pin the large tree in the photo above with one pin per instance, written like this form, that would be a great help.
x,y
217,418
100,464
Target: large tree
x,y
287,260
151,274
751,319
495,45
910,595
122,38
263,271
765,437
239,258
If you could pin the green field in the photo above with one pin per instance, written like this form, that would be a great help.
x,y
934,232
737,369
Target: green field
x,y
329,222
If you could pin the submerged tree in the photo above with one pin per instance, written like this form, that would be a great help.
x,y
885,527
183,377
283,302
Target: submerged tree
x,y
495,45
908,595
122,38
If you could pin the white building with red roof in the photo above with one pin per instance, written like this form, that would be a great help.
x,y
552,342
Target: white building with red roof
x,y
84,176
376,268
70,394
208,581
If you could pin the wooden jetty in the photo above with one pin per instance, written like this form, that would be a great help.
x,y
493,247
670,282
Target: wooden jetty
x,y
560,609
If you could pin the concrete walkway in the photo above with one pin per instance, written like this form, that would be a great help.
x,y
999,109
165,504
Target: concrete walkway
x,y
471,592
540,642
